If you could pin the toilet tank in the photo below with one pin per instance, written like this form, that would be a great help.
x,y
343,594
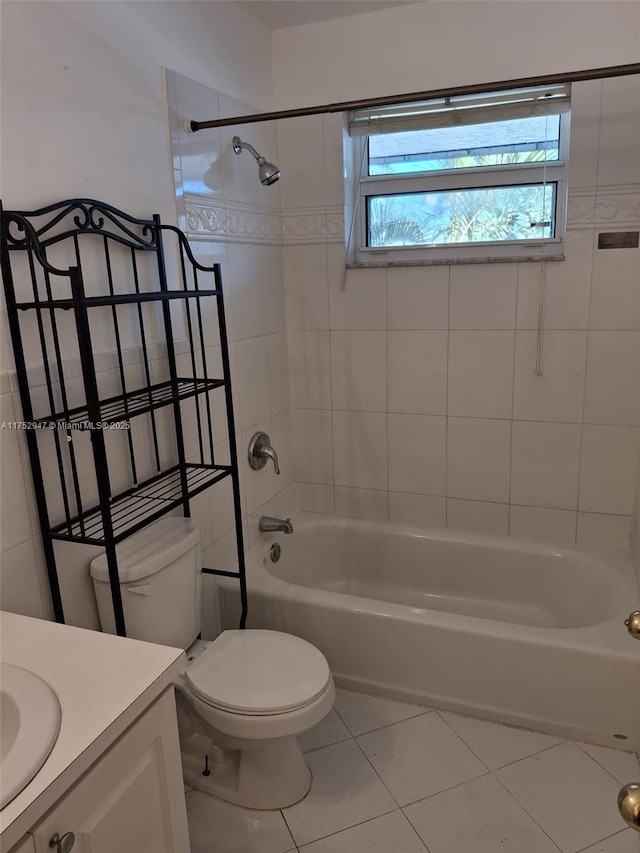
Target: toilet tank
x,y
160,581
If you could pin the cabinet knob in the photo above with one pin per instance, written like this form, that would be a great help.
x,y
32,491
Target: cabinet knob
x,y
62,843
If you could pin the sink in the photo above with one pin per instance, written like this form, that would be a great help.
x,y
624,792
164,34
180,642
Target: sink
x,y
29,726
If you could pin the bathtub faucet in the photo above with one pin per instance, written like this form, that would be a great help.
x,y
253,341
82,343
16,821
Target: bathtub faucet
x,y
270,525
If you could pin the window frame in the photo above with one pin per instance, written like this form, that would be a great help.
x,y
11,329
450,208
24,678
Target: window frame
x,y
365,186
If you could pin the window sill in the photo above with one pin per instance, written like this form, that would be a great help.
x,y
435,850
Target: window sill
x,y
517,255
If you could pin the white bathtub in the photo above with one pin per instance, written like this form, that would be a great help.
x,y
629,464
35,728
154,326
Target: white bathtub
x,y
511,630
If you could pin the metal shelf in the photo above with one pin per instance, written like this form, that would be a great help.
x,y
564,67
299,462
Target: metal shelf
x,y
118,299
136,508
139,402
114,251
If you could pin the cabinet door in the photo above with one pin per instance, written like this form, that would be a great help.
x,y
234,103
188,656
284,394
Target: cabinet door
x,y
24,846
131,799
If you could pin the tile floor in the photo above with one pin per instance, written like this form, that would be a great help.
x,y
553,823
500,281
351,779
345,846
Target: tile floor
x,y
395,778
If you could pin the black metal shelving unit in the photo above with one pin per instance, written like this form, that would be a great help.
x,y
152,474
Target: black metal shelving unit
x,y
108,271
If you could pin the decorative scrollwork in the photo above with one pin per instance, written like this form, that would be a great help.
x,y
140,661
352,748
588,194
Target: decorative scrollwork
x,y
28,239
87,216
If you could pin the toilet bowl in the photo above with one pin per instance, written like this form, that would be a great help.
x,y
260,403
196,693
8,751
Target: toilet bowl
x,y
242,703
244,697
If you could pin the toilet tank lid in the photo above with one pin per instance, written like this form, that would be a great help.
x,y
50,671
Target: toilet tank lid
x,y
150,550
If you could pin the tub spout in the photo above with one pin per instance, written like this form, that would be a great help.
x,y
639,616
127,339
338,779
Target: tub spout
x,y
271,525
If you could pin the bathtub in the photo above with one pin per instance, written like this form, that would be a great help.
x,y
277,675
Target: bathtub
x,y
516,631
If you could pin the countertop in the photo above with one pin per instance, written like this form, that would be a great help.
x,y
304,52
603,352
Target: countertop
x,y
103,683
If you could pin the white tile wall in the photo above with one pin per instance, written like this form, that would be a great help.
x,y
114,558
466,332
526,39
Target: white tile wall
x,y
483,296
613,355
566,287
545,464
608,469
615,295
316,497
461,345
417,454
305,271
360,449
313,446
477,515
481,374
420,510
551,525
478,453
252,392
417,372
359,300
362,503
279,381
604,530
418,297
557,394
310,369
359,371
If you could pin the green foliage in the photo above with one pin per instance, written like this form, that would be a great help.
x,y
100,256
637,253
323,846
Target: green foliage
x,y
464,216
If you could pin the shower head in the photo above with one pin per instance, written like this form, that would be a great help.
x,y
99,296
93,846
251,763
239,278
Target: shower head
x,y
267,172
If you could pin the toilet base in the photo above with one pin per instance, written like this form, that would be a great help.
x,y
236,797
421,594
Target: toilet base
x,y
273,776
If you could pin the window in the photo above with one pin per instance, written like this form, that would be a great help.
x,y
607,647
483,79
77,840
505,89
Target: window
x,y
478,177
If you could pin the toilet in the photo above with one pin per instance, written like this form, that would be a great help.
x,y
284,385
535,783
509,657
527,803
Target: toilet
x,y
244,697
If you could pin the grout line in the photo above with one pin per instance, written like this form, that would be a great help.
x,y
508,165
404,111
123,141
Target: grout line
x,y
397,723
284,818
444,790
504,725
467,417
533,754
349,736
513,400
342,720
331,410
526,811
346,828
446,406
586,355
408,819
386,787
469,500
579,745
602,840
387,333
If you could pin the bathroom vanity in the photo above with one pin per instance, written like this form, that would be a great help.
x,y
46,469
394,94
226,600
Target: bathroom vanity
x,y
113,778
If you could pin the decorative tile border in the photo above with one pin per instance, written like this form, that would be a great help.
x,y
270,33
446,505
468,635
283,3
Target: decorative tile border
x,y
615,206
304,225
231,221
313,225
242,223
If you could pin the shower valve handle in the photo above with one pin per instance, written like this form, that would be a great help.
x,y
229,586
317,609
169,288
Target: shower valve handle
x,y
260,450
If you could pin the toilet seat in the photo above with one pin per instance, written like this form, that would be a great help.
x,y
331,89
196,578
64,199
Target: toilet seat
x,y
259,673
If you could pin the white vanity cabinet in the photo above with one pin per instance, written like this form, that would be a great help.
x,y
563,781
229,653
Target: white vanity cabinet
x,y
24,846
130,800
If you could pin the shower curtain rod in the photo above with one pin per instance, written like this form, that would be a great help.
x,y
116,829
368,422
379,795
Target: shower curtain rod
x,y
453,91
